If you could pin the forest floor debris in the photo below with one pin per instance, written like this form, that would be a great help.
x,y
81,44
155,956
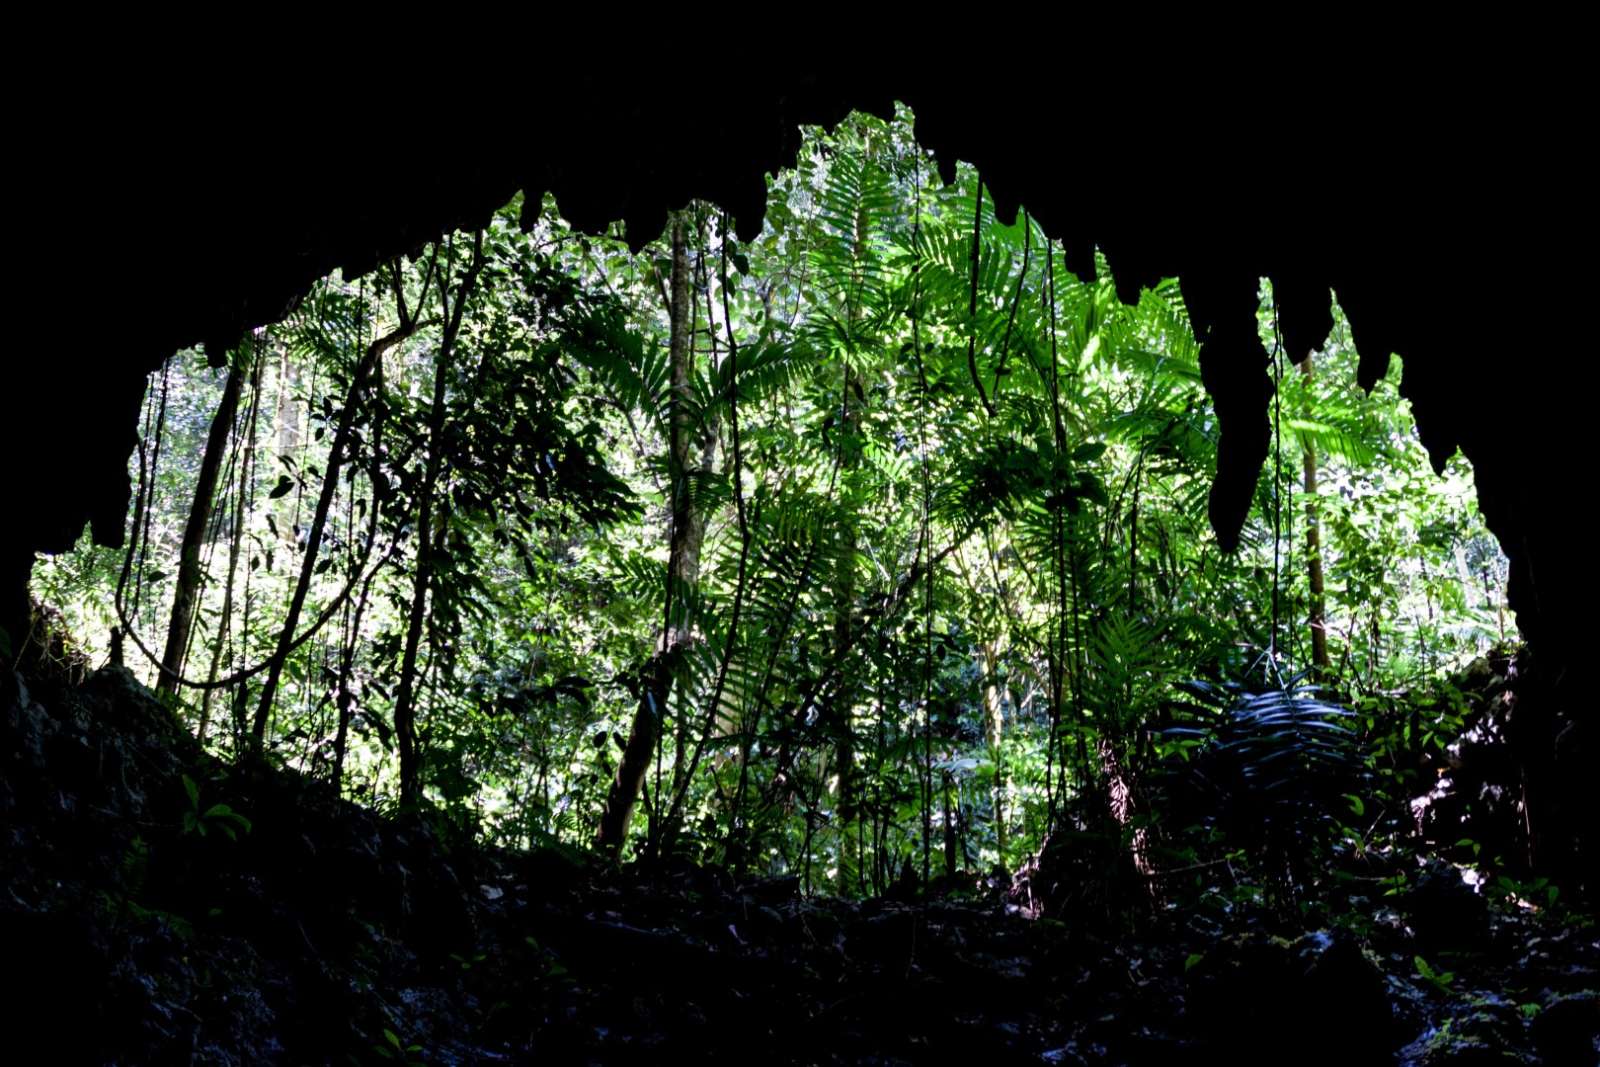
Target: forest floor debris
x,y
161,907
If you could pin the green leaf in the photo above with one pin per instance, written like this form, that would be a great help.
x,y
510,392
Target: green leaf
x,y
1088,453
1440,979
282,488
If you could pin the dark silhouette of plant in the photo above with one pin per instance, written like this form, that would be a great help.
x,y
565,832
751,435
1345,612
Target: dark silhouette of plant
x,y
1276,764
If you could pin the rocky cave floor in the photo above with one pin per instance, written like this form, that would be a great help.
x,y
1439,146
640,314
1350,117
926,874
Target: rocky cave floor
x,y
326,934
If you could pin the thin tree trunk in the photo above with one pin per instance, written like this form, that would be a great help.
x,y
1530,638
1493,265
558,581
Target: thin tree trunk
x,y
844,584
405,718
950,860
1314,580
683,762
141,585
1065,551
683,566
330,485
994,720
345,699
194,531
288,415
1121,804
236,536
1133,541
736,478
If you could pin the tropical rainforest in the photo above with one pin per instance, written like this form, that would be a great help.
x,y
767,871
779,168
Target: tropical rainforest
x,y
815,648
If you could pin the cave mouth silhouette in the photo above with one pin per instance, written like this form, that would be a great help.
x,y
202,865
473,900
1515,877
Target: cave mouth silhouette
x,y
1391,205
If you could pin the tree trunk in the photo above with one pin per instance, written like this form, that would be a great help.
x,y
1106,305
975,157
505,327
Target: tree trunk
x,y
1121,804
235,537
288,415
345,697
683,566
843,707
994,720
1318,605
188,585
844,584
951,862
330,484
405,712
706,443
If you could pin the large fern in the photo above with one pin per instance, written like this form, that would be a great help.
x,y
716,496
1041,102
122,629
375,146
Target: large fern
x,y
1276,763
850,258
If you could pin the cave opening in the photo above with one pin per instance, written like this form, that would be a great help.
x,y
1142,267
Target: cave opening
x,y
888,550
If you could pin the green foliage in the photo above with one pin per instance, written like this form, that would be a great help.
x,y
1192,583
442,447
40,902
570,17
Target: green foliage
x,y
943,595
211,818
394,1049
1279,765
1440,980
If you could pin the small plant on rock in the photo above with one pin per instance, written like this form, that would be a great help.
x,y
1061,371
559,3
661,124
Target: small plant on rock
x,y
218,818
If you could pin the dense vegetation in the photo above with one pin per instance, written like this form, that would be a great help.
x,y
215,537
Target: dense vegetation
x,y
857,581
873,548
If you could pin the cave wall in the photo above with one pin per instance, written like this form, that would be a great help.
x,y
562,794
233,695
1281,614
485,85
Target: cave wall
x,y
178,212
